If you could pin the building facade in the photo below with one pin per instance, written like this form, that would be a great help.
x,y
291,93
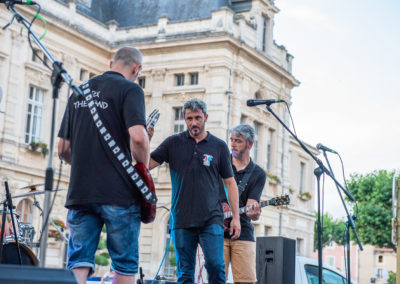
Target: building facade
x,y
222,53
371,265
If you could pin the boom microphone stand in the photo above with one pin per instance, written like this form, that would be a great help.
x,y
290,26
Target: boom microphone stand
x,y
324,170
58,76
349,222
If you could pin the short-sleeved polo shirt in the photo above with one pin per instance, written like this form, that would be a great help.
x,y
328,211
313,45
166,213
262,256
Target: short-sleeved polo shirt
x,y
196,169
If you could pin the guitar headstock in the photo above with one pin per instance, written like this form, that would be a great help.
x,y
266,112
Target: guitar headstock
x,y
280,200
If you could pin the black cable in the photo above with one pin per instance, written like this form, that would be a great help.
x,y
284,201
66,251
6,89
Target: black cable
x,y
344,176
291,118
35,54
344,248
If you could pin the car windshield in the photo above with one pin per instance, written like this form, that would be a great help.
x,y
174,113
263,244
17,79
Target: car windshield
x,y
328,276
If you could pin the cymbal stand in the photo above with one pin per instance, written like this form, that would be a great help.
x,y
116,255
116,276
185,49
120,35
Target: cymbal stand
x,y
36,203
3,227
8,203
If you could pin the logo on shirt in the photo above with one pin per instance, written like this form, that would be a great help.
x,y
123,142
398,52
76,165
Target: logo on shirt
x,y
207,159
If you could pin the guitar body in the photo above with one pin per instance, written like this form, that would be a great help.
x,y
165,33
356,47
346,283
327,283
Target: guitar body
x,y
148,210
227,221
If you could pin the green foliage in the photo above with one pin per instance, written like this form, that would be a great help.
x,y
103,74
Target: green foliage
x,y
333,230
171,248
102,244
104,229
392,277
373,193
172,260
101,260
105,254
273,177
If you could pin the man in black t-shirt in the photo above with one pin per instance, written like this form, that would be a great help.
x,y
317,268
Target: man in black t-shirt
x,y
98,194
198,160
251,180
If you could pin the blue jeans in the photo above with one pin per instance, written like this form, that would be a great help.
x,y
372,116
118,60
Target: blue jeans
x,y
123,226
211,240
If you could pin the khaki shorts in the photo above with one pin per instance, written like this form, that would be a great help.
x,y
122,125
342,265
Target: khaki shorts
x,y
241,255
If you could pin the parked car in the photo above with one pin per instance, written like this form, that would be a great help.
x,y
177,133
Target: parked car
x,y
307,272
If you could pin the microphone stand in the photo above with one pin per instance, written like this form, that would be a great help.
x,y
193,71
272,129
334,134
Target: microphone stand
x,y
349,222
58,76
323,169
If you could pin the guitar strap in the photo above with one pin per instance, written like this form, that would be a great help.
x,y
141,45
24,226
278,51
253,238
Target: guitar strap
x,y
243,182
117,157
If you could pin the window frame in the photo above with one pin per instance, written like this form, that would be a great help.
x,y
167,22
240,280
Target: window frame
x,y
31,117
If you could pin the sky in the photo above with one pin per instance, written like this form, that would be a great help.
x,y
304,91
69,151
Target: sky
x,y
347,58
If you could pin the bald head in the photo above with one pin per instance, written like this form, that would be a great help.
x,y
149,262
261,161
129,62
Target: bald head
x,y
128,56
127,61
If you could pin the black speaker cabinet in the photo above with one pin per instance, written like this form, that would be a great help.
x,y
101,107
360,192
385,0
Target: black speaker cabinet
x,y
275,260
23,274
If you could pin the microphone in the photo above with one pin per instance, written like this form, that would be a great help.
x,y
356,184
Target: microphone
x,y
324,148
262,102
20,2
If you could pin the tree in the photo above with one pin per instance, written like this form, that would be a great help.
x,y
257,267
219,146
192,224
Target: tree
x,y
373,193
333,230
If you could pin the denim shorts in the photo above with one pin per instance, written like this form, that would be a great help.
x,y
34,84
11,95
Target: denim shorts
x,y
123,226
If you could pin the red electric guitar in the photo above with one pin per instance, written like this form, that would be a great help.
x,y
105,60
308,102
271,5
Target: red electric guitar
x,y
148,210
277,201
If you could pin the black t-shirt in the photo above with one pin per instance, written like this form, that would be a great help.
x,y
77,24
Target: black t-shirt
x,y
195,169
94,179
253,190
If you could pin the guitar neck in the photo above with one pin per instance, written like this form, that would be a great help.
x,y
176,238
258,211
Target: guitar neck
x,y
244,209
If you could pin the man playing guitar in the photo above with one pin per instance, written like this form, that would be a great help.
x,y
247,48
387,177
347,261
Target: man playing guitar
x,y
98,194
251,180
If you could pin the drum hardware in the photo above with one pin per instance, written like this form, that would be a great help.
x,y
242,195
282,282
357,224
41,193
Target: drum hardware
x,y
36,203
25,256
32,193
8,203
32,187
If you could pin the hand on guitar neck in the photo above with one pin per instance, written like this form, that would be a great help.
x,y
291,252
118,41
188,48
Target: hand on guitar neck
x,y
254,209
277,201
151,122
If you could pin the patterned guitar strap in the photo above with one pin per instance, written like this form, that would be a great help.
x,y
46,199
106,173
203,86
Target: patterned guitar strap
x,y
110,143
243,182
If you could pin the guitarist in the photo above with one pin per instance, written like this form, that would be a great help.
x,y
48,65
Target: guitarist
x,y
250,177
98,194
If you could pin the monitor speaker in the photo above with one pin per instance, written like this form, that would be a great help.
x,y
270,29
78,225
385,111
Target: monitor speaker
x,y
275,260
22,274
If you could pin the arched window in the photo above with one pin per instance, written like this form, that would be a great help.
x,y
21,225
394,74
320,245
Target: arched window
x,y
24,209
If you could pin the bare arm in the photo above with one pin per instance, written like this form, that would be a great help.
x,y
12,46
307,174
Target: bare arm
x,y
255,209
153,164
64,150
233,196
139,144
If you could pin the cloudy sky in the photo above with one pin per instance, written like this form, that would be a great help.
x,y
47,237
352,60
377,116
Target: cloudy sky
x,y
347,58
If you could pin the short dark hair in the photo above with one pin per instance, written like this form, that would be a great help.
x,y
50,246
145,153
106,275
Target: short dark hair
x,y
194,105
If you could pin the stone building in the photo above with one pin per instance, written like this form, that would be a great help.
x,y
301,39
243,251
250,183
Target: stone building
x,y
220,51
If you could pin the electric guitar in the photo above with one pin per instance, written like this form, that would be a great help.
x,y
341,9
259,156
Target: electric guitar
x,y
277,201
148,210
